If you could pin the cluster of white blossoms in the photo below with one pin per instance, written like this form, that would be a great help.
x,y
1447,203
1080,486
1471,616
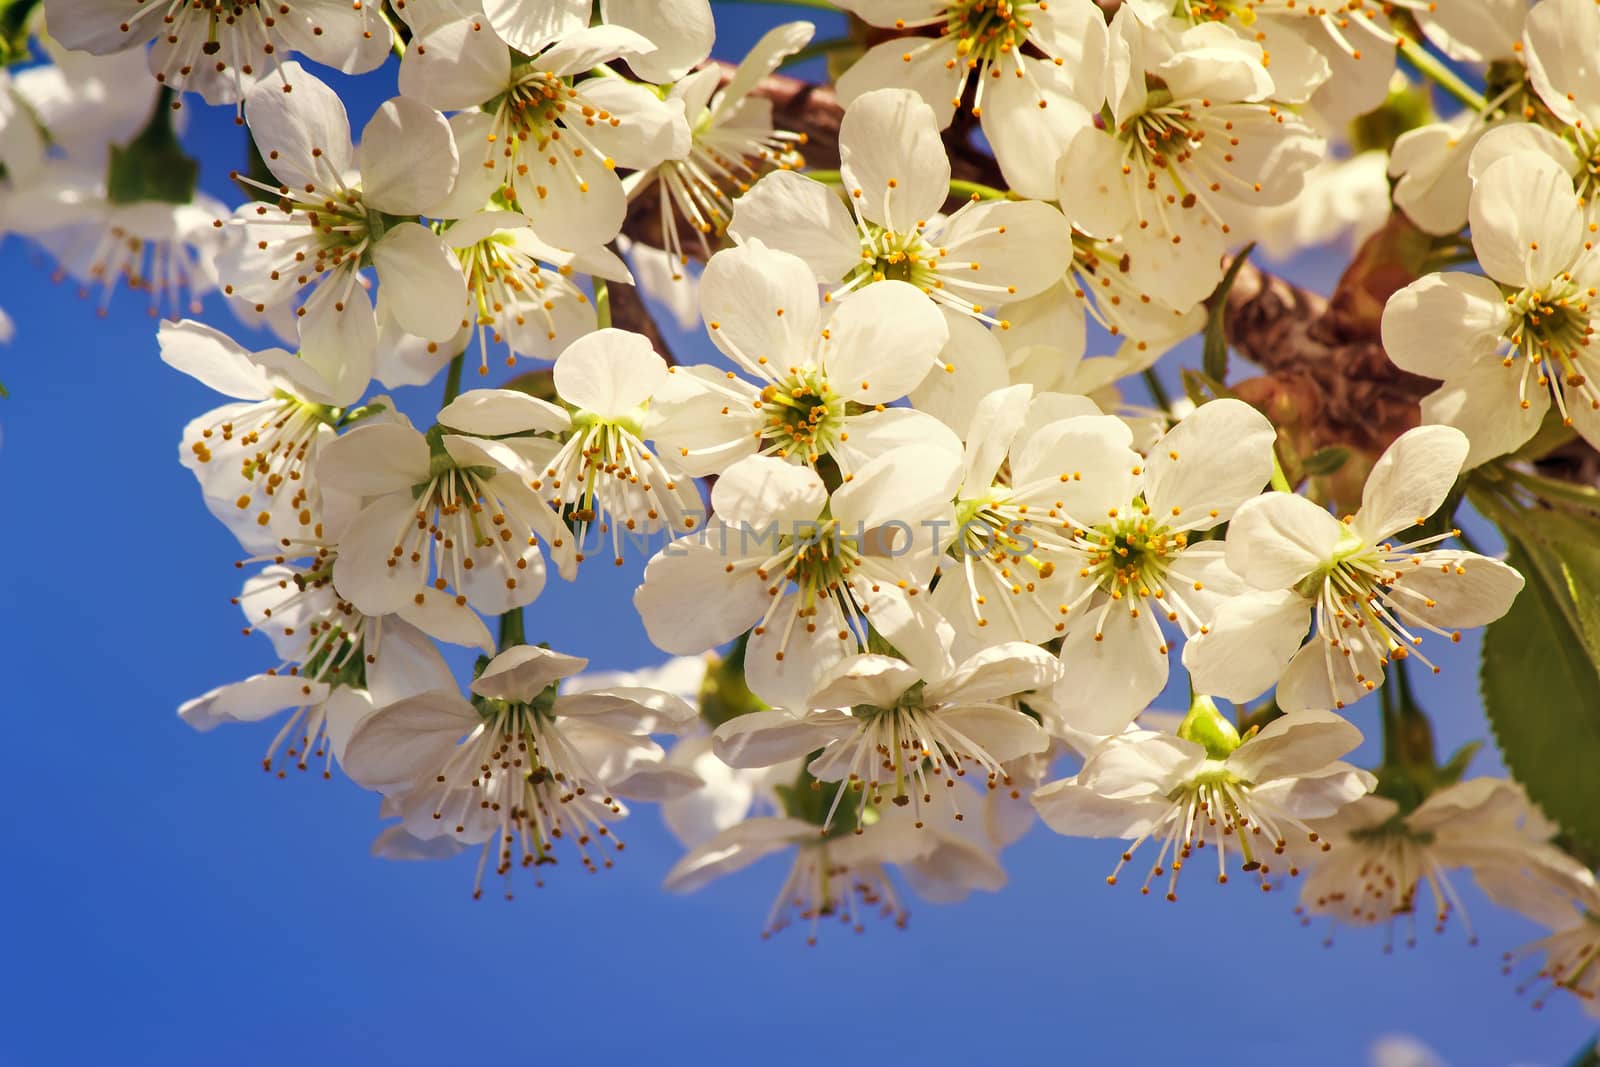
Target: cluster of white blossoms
x,y
923,566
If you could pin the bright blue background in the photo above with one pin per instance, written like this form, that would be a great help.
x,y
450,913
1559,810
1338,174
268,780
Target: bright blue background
x,y
166,902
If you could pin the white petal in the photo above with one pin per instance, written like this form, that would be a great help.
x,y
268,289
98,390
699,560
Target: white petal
x,y
761,304
459,64
212,358
998,673
500,412
1487,404
1294,745
305,135
759,491
1559,38
1250,640
378,458
876,681
1210,463
763,738
251,700
1441,323
1278,538
690,603
609,372
1116,667
1527,225
407,740
406,663
421,281
882,342
1410,480
929,68
529,25
522,672
892,161
796,214
1030,120
971,365
408,158
734,849
1454,590
1023,247
681,30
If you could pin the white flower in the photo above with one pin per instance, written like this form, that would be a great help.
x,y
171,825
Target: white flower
x,y
732,143
1344,200
447,510
807,572
842,876
822,388
890,733
1338,59
337,666
896,178
220,48
1004,584
1120,530
1370,596
520,295
1029,103
604,472
1208,788
1383,859
520,766
1187,155
256,459
335,213
1571,950
550,142
1509,344
1106,282
672,36
165,250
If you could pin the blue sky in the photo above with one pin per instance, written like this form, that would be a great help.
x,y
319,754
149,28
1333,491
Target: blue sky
x,y
169,903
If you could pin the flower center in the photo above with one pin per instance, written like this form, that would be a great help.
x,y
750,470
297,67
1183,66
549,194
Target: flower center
x,y
804,416
1550,328
533,784
888,255
1130,556
985,30
272,443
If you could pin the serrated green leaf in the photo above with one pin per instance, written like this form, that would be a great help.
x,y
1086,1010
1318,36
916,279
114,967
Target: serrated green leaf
x,y
1325,460
1540,682
1215,360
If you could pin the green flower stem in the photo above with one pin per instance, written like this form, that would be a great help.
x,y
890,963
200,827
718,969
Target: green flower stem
x,y
959,187
602,303
1158,392
452,380
1434,69
511,632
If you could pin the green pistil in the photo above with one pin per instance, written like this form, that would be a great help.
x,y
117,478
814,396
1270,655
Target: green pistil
x,y
890,256
984,30
1208,727
804,416
1133,555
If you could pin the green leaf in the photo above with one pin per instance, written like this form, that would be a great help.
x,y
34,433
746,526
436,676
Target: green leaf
x,y
153,166
15,16
1215,360
1541,685
1325,460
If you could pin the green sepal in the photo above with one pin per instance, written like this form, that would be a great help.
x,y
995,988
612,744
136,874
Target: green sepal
x,y
153,166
